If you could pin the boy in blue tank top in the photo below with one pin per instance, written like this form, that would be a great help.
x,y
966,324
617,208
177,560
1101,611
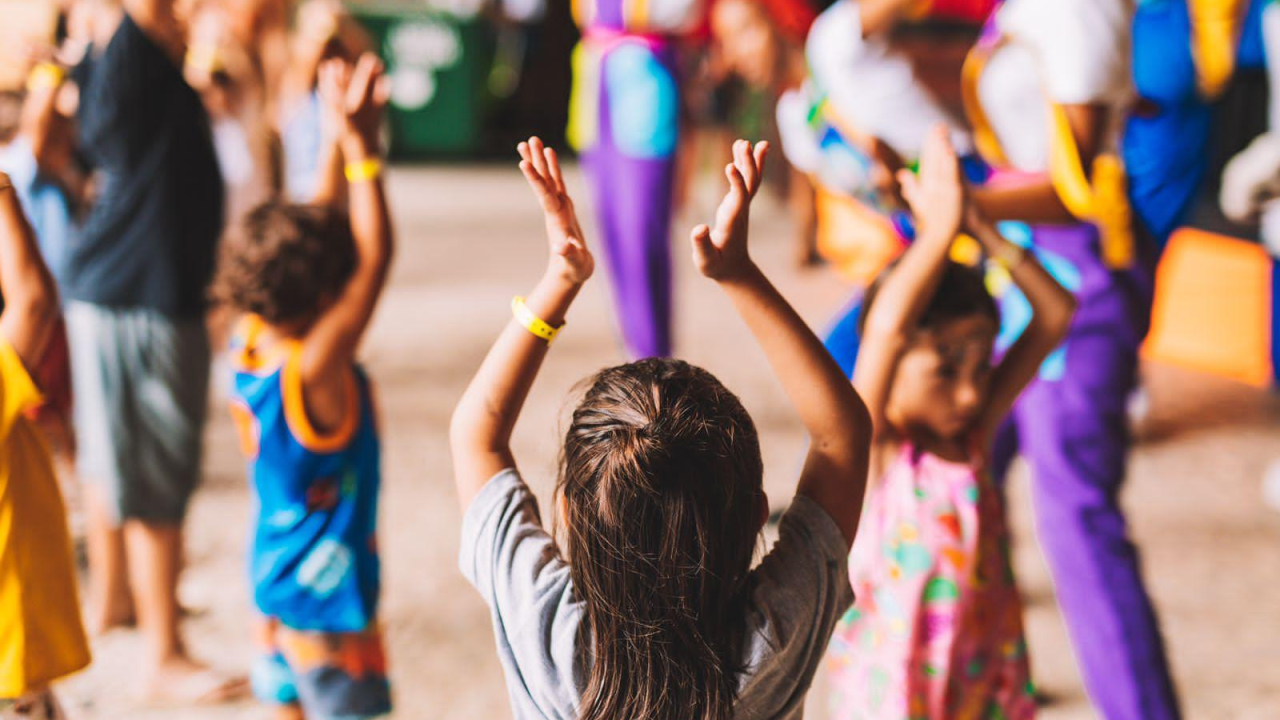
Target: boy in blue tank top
x,y
307,279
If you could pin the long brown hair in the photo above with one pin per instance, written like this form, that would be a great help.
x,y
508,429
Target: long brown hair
x,y
662,482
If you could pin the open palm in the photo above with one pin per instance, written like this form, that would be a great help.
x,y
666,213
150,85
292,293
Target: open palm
x,y
541,167
721,252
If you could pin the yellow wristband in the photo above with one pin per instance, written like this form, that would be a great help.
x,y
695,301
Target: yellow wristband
x,y
1010,255
531,322
45,75
363,171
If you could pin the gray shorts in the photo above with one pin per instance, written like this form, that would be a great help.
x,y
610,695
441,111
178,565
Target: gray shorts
x,y
140,383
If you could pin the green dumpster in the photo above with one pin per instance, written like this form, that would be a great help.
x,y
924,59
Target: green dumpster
x,y
438,63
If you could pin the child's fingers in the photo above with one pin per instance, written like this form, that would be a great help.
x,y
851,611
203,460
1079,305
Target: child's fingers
x,y
736,182
751,166
909,184
382,91
536,181
553,163
523,149
761,153
536,156
700,238
740,154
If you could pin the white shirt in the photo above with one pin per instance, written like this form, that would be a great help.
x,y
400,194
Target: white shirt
x,y
1069,52
872,85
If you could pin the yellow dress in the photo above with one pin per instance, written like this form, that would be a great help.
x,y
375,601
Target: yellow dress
x,y
41,635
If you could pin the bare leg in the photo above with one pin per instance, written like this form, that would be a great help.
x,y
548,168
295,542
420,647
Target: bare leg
x,y
155,554
110,602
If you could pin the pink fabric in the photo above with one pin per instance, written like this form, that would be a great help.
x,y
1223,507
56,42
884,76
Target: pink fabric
x,y
936,631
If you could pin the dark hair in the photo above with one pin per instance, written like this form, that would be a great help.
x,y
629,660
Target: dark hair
x,y
285,261
961,293
662,481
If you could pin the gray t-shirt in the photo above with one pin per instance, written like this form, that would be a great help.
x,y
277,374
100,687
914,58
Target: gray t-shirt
x,y
801,590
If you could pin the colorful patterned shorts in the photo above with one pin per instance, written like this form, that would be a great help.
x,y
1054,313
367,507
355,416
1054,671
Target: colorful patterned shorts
x,y
333,676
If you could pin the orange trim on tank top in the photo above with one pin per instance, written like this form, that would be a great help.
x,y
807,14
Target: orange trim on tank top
x,y
295,409
248,358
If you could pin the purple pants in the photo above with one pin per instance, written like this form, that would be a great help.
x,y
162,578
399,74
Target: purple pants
x,y
1072,430
631,168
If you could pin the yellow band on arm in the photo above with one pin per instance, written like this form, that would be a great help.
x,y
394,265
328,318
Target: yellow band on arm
x,y
531,322
45,75
363,171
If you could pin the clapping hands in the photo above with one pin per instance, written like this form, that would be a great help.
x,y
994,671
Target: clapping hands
x,y
720,253
355,97
570,258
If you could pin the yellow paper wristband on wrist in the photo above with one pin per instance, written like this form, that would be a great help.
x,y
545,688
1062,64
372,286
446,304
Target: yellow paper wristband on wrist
x,y
45,75
1010,255
363,171
531,322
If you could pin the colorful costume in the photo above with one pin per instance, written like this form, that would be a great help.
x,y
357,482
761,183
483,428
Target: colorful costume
x,y
936,628
1070,424
1184,53
41,636
861,90
625,120
314,563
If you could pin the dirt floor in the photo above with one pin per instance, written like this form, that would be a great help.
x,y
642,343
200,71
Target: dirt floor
x,y
470,238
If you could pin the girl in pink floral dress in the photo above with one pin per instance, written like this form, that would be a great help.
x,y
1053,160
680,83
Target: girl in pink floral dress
x,y
936,631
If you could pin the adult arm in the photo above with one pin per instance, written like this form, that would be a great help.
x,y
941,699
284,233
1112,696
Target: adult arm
x,y
1035,200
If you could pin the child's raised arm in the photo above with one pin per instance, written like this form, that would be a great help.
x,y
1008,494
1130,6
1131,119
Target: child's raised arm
x,y
480,432
937,198
835,471
30,298
357,96
1052,307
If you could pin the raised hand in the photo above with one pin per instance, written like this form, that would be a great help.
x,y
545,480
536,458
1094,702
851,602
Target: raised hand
x,y
355,97
569,254
937,195
720,253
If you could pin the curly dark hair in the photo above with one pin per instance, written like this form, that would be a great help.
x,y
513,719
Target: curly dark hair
x,y
285,262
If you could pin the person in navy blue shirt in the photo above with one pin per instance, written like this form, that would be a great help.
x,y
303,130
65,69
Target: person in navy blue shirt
x,y
134,280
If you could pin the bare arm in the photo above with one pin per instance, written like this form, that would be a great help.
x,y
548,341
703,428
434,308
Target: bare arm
x,y
480,431
1037,201
331,342
30,298
937,198
1052,307
835,471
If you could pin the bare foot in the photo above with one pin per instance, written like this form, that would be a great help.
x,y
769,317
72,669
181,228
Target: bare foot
x,y
102,620
182,681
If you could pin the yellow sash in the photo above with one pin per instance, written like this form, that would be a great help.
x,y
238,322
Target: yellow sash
x,y
1100,198
1215,33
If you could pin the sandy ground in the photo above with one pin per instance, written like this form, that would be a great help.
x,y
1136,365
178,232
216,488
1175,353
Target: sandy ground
x,y
472,237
